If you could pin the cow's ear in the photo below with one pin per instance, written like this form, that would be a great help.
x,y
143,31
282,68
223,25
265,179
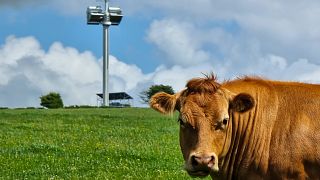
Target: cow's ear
x,y
163,102
242,102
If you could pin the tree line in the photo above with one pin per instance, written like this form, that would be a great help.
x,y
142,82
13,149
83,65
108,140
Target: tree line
x,y
53,100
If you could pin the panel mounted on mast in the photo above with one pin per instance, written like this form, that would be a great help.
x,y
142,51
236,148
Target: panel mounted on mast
x,y
115,15
95,15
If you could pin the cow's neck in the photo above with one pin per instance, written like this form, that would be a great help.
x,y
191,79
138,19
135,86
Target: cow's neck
x,y
249,146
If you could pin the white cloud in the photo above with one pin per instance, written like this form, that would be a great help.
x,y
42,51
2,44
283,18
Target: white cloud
x,y
130,73
67,61
302,70
178,41
287,28
240,54
274,39
27,72
177,76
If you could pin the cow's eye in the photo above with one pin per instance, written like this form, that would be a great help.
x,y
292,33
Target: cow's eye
x,y
221,125
225,121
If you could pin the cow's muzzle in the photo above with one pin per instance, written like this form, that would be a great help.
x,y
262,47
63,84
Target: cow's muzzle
x,y
200,165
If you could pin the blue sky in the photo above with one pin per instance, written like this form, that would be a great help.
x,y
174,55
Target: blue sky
x,y
47,45
48,26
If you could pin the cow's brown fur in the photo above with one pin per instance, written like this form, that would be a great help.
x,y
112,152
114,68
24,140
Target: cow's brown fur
x,y
272,131
201,85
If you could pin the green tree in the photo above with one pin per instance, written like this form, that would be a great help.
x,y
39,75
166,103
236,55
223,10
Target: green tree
x,y
146,95
51,101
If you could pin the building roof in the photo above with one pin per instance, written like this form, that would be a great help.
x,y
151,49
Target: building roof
x,y
116,96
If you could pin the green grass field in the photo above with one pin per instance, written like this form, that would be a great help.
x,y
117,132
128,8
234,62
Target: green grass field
x,y
130,143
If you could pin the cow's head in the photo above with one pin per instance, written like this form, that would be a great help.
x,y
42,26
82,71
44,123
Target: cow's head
x,y
204,118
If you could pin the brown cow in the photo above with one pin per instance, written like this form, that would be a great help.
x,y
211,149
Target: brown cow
x,y
248,128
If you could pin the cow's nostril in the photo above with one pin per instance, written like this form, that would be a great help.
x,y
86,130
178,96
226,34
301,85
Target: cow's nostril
x,y
211,161
194,160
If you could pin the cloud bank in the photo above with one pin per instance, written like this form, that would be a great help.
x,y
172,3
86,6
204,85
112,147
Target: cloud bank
x,y
276,40
27,72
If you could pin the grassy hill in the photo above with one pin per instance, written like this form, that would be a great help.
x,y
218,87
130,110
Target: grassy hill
x,y
128,143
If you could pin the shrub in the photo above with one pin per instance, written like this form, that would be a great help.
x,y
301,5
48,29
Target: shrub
x,y
51,101
146,95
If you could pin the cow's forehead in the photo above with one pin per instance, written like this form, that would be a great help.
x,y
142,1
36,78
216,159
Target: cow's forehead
x,y
214,103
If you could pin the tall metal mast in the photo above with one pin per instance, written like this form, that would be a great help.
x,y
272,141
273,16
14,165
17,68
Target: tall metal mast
x,y
105,78
110,16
